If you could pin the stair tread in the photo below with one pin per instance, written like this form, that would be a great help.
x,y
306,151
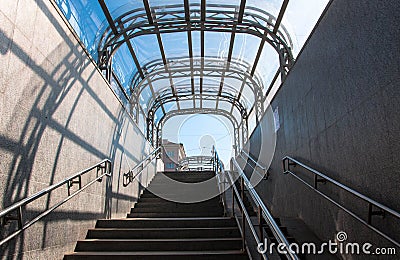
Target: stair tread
x,y
220,252
162,229
169,219
160,239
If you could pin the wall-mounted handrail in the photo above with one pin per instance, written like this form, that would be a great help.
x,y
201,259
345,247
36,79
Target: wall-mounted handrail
x,y
265,213
105,169
320,177
265,173
131,175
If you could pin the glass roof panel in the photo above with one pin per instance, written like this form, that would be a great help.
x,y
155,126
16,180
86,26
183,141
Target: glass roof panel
x,y
123,66
244,43
196,43
160,84
268,65
86,18
209,104
237,115
271,6
302,21
230,2
217,44
158,115
144,98
146,48
175,45
186,104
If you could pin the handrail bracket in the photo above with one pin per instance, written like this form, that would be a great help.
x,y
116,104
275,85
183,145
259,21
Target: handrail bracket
x,y
71,183
372,212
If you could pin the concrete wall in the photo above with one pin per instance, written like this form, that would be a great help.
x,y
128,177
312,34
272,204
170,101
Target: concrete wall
x,y
339,112
58,116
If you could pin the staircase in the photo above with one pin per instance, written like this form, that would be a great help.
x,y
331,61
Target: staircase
x,y
160,229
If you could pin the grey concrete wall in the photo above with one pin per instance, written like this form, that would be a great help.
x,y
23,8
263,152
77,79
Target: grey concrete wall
x,y
339,112
58,116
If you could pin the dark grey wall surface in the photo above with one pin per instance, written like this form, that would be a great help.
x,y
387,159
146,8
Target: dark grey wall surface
x,y
339,112
58,117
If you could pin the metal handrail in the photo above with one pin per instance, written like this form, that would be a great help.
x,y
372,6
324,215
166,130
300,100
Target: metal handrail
x,y
219,169
265,213
245,215
265,175
130,176
105,167
320,177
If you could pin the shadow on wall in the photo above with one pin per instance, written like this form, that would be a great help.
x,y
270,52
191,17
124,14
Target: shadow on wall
x,y
54,83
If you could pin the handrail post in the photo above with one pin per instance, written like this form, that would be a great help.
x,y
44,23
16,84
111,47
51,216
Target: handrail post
x,y
260,226
19,216
233,202
243,223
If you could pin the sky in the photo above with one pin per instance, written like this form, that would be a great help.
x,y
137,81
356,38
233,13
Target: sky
x,y
199,132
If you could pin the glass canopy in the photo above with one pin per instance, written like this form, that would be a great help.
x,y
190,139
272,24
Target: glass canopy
x,y
194,55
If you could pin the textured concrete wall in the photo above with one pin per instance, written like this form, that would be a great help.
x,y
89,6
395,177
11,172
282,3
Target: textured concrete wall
x,y
339,112
58,116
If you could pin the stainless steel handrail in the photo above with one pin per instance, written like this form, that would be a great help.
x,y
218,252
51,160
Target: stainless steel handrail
x,y
265,175
130,176
219,169
104,166
265,213
320,177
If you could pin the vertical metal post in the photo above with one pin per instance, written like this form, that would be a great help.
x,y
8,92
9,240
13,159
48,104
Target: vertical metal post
x,y
369,213
243,217
20,217
261,227
315,181
233,201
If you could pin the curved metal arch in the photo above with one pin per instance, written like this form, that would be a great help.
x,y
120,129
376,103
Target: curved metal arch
x,y
187,95
219,112
222,18
252,14
207,67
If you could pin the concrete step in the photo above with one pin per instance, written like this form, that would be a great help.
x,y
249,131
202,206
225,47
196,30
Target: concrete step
x,y
165,203
158,195
181,208
179,176
175,214
188,244
168,255
167,223
189,173
164,233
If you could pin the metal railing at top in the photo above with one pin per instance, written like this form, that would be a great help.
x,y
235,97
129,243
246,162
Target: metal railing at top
x,y
196,163
135,171
264,171
15,211
265,217
319,177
